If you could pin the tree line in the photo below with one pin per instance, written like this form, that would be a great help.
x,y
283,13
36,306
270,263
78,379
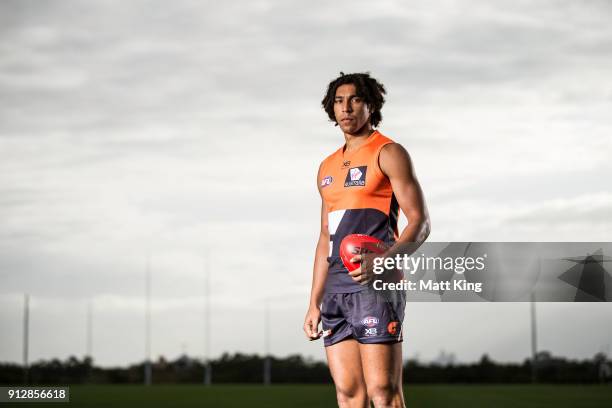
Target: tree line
x,y
243,368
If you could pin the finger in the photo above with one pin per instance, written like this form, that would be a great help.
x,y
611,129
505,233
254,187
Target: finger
x,y
316,336
356,259
308,328
355,272
313,328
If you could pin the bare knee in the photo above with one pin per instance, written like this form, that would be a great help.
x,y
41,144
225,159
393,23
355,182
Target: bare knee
x,y
349,394
386,395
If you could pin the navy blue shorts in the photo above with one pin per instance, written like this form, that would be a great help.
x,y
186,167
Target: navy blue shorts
x,y
369,316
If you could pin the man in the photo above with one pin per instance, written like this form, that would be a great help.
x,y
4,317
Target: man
x,y
362,185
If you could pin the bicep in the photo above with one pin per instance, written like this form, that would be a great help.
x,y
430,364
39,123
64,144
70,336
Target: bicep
x,y
324,220
396,164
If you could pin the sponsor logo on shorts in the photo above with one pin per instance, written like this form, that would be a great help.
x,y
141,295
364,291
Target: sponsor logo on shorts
x,y
370,321
392,328
371,331
356,176
326,181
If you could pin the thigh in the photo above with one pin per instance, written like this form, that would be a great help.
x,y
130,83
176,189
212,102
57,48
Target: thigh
x,y
345,365
382,364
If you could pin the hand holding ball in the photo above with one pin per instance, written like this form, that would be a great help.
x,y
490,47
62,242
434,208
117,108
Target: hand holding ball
x,y
359,244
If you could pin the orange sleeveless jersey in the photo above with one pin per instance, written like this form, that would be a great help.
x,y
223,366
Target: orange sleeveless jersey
x,y
359,200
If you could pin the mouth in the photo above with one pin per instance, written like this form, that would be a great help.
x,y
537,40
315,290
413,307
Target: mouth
x,y
346,120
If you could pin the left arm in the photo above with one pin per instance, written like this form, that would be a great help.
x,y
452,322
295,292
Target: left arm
x,y
395,163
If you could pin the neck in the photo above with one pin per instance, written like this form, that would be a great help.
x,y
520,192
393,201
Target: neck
x,y
354,140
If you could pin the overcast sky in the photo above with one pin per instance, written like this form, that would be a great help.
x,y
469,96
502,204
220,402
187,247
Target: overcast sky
x,y
185,127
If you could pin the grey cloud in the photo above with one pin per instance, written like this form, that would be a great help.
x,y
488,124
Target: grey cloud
x,y
523,188
597,215
182,125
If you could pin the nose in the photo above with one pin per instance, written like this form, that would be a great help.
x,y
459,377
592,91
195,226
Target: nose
x,y
346,105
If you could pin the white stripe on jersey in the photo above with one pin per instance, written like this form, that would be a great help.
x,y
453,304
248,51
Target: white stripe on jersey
x,y
333,220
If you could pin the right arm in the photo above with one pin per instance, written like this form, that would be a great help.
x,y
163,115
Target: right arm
x,y
319,275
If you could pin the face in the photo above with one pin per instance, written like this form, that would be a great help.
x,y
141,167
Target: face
x,y
351,111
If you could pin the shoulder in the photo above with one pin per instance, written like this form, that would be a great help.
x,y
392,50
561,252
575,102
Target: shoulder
x,y
383,143
324,164
394,158
330,158
394,150
383,139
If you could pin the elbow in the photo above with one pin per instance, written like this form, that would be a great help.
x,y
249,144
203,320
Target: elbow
x,y
424,226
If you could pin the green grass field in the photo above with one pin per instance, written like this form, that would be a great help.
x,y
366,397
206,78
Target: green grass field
x,y
309,396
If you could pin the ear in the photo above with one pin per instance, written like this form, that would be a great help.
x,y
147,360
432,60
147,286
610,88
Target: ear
x,y
370,111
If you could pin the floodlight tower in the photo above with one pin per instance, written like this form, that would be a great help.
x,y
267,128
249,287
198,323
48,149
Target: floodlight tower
x,y
89,334
207,331
147,366
534,341
26,337
267,367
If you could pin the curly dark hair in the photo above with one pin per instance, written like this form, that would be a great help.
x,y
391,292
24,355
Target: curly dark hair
x,y
367,87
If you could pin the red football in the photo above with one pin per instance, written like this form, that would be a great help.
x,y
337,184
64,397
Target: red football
x,y
356,244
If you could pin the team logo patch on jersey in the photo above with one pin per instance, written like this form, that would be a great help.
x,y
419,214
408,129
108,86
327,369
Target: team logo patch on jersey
x,y
326,181
356,176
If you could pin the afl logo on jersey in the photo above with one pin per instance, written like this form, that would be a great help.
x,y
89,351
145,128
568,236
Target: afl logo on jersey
x,y
356,176
326,181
